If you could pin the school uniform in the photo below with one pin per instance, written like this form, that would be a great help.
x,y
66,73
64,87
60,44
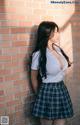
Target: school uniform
x,y
52,100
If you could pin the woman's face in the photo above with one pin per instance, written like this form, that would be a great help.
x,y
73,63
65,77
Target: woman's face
x,y
55,36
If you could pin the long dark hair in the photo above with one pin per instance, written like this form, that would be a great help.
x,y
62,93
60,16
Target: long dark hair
x,y
43,34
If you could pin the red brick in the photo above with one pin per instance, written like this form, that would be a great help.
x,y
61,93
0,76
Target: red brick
x,y
2,110
16,17
11,117
14,37
18,114
10,51
4,72
18,82
9,97
2,2
23,37
5,44
5,58
12,77
8,23
6,37
18,70
18,30
23,50
21,94
10,110
4,30
18,56
14,102
1,92
2,16
2,86
2,105
26,23
28,29
19,117
17,61
0,51
2,99
11,9
19,43
18,107
9,65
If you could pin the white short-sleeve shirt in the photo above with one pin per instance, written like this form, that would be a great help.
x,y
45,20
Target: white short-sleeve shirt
x,y
53,69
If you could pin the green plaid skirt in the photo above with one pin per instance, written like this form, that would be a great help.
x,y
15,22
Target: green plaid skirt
x,y
53,101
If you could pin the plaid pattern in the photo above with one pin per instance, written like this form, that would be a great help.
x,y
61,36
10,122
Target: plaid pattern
x,y
53,101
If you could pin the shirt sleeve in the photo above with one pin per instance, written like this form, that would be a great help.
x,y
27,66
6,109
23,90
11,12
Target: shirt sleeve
x,y
35,60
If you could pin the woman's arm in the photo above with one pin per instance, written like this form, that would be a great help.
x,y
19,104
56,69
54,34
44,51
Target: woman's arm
x,y
34,74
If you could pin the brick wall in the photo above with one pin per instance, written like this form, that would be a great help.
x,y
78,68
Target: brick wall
x,y
18,22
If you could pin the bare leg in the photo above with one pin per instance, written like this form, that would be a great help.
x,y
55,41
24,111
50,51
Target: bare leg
x,y
46,122
59,122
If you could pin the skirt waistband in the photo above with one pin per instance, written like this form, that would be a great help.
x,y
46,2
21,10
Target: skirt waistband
x,y
54,83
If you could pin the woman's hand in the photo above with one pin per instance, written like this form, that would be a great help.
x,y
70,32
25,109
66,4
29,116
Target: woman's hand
x,y
70,63
34,74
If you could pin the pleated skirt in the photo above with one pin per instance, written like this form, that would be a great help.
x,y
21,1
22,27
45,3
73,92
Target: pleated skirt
x,y
53,101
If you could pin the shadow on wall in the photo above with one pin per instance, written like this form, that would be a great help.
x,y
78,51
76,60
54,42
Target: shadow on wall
x,y
74,21
29,100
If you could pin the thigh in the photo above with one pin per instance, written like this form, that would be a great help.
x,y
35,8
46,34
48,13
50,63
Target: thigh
x,y
46,122
59,122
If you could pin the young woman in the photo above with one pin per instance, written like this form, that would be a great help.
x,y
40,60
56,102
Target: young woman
x,y
53,102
